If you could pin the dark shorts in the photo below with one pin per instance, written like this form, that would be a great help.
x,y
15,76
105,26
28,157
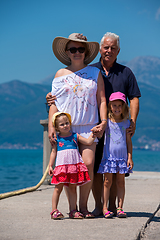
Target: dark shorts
x,y
98,154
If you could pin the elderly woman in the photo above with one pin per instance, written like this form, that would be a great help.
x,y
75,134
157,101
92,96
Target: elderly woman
x,y
79,91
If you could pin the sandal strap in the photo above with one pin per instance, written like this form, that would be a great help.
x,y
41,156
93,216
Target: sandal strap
x,y
56,214
56,210
120,209
87,214
75,213
107,213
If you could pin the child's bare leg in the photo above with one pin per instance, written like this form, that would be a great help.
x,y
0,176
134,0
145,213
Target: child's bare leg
x,y
113,194
72,196
106,192
56,193
120,180
120,194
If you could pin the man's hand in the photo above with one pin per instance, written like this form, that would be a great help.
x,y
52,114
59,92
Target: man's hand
x,y
50,99
132,128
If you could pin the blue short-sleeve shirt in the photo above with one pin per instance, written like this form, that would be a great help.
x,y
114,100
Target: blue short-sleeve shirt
x,y
119,79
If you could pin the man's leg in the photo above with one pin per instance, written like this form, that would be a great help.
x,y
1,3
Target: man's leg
x,y
88,156
97,193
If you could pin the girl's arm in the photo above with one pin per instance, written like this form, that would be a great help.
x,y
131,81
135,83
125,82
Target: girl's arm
x,y
86,141
101,101
129,150
52,159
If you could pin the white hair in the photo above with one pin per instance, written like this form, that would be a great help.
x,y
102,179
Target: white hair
x,y
111,35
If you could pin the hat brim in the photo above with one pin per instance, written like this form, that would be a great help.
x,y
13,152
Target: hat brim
x,y
59,45
58,113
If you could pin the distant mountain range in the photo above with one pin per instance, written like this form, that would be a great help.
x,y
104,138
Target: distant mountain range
x,y
146,70
23,106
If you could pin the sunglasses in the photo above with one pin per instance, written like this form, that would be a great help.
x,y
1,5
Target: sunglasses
x,y
74,49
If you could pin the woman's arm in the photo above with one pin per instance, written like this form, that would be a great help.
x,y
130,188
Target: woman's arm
x,y
49,98
101,101
51,130
52,110
129,150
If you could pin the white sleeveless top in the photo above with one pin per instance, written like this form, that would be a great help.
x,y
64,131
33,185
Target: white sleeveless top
x,y
76,95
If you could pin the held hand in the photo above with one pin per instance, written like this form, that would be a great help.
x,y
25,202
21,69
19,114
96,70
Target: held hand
x,y
50,99
131,129
130,163
99,129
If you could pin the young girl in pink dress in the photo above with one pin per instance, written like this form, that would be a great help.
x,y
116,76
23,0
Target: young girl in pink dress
x,y
117,152
70,169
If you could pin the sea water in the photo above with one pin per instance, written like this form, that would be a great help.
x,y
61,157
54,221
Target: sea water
x,y
24,168
20,168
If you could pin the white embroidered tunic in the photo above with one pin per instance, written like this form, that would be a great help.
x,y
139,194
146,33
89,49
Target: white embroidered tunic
x,y
76,95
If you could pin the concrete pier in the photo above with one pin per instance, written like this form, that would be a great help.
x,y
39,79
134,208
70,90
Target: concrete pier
x,y
27,216
46,148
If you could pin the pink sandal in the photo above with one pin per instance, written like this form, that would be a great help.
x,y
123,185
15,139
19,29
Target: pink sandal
x,y
87,214
56,214
108,214
74,214
121,213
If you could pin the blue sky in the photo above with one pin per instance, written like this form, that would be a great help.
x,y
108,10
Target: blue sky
x,y
28,27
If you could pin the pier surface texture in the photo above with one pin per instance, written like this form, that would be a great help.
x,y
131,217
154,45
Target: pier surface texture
x,y
27,216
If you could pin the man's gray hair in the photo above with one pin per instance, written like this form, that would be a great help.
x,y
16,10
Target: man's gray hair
x,y
111,35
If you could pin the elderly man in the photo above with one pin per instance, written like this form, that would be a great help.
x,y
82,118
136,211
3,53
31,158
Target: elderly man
x,y
116,78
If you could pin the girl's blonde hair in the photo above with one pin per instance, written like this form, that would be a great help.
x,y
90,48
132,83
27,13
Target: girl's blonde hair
x,y
58,115
125,110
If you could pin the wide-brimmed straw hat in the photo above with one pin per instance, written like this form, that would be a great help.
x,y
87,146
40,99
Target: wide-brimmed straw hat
x,y
57,114
59,47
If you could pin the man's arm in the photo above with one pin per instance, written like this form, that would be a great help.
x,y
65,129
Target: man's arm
x,y
134,110
50,99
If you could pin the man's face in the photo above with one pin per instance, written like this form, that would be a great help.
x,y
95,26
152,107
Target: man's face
x,y
109,50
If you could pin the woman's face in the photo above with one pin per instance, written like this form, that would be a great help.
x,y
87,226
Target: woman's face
x,y
77,56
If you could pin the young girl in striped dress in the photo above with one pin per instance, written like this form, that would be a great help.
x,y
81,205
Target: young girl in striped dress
x,y
70,169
